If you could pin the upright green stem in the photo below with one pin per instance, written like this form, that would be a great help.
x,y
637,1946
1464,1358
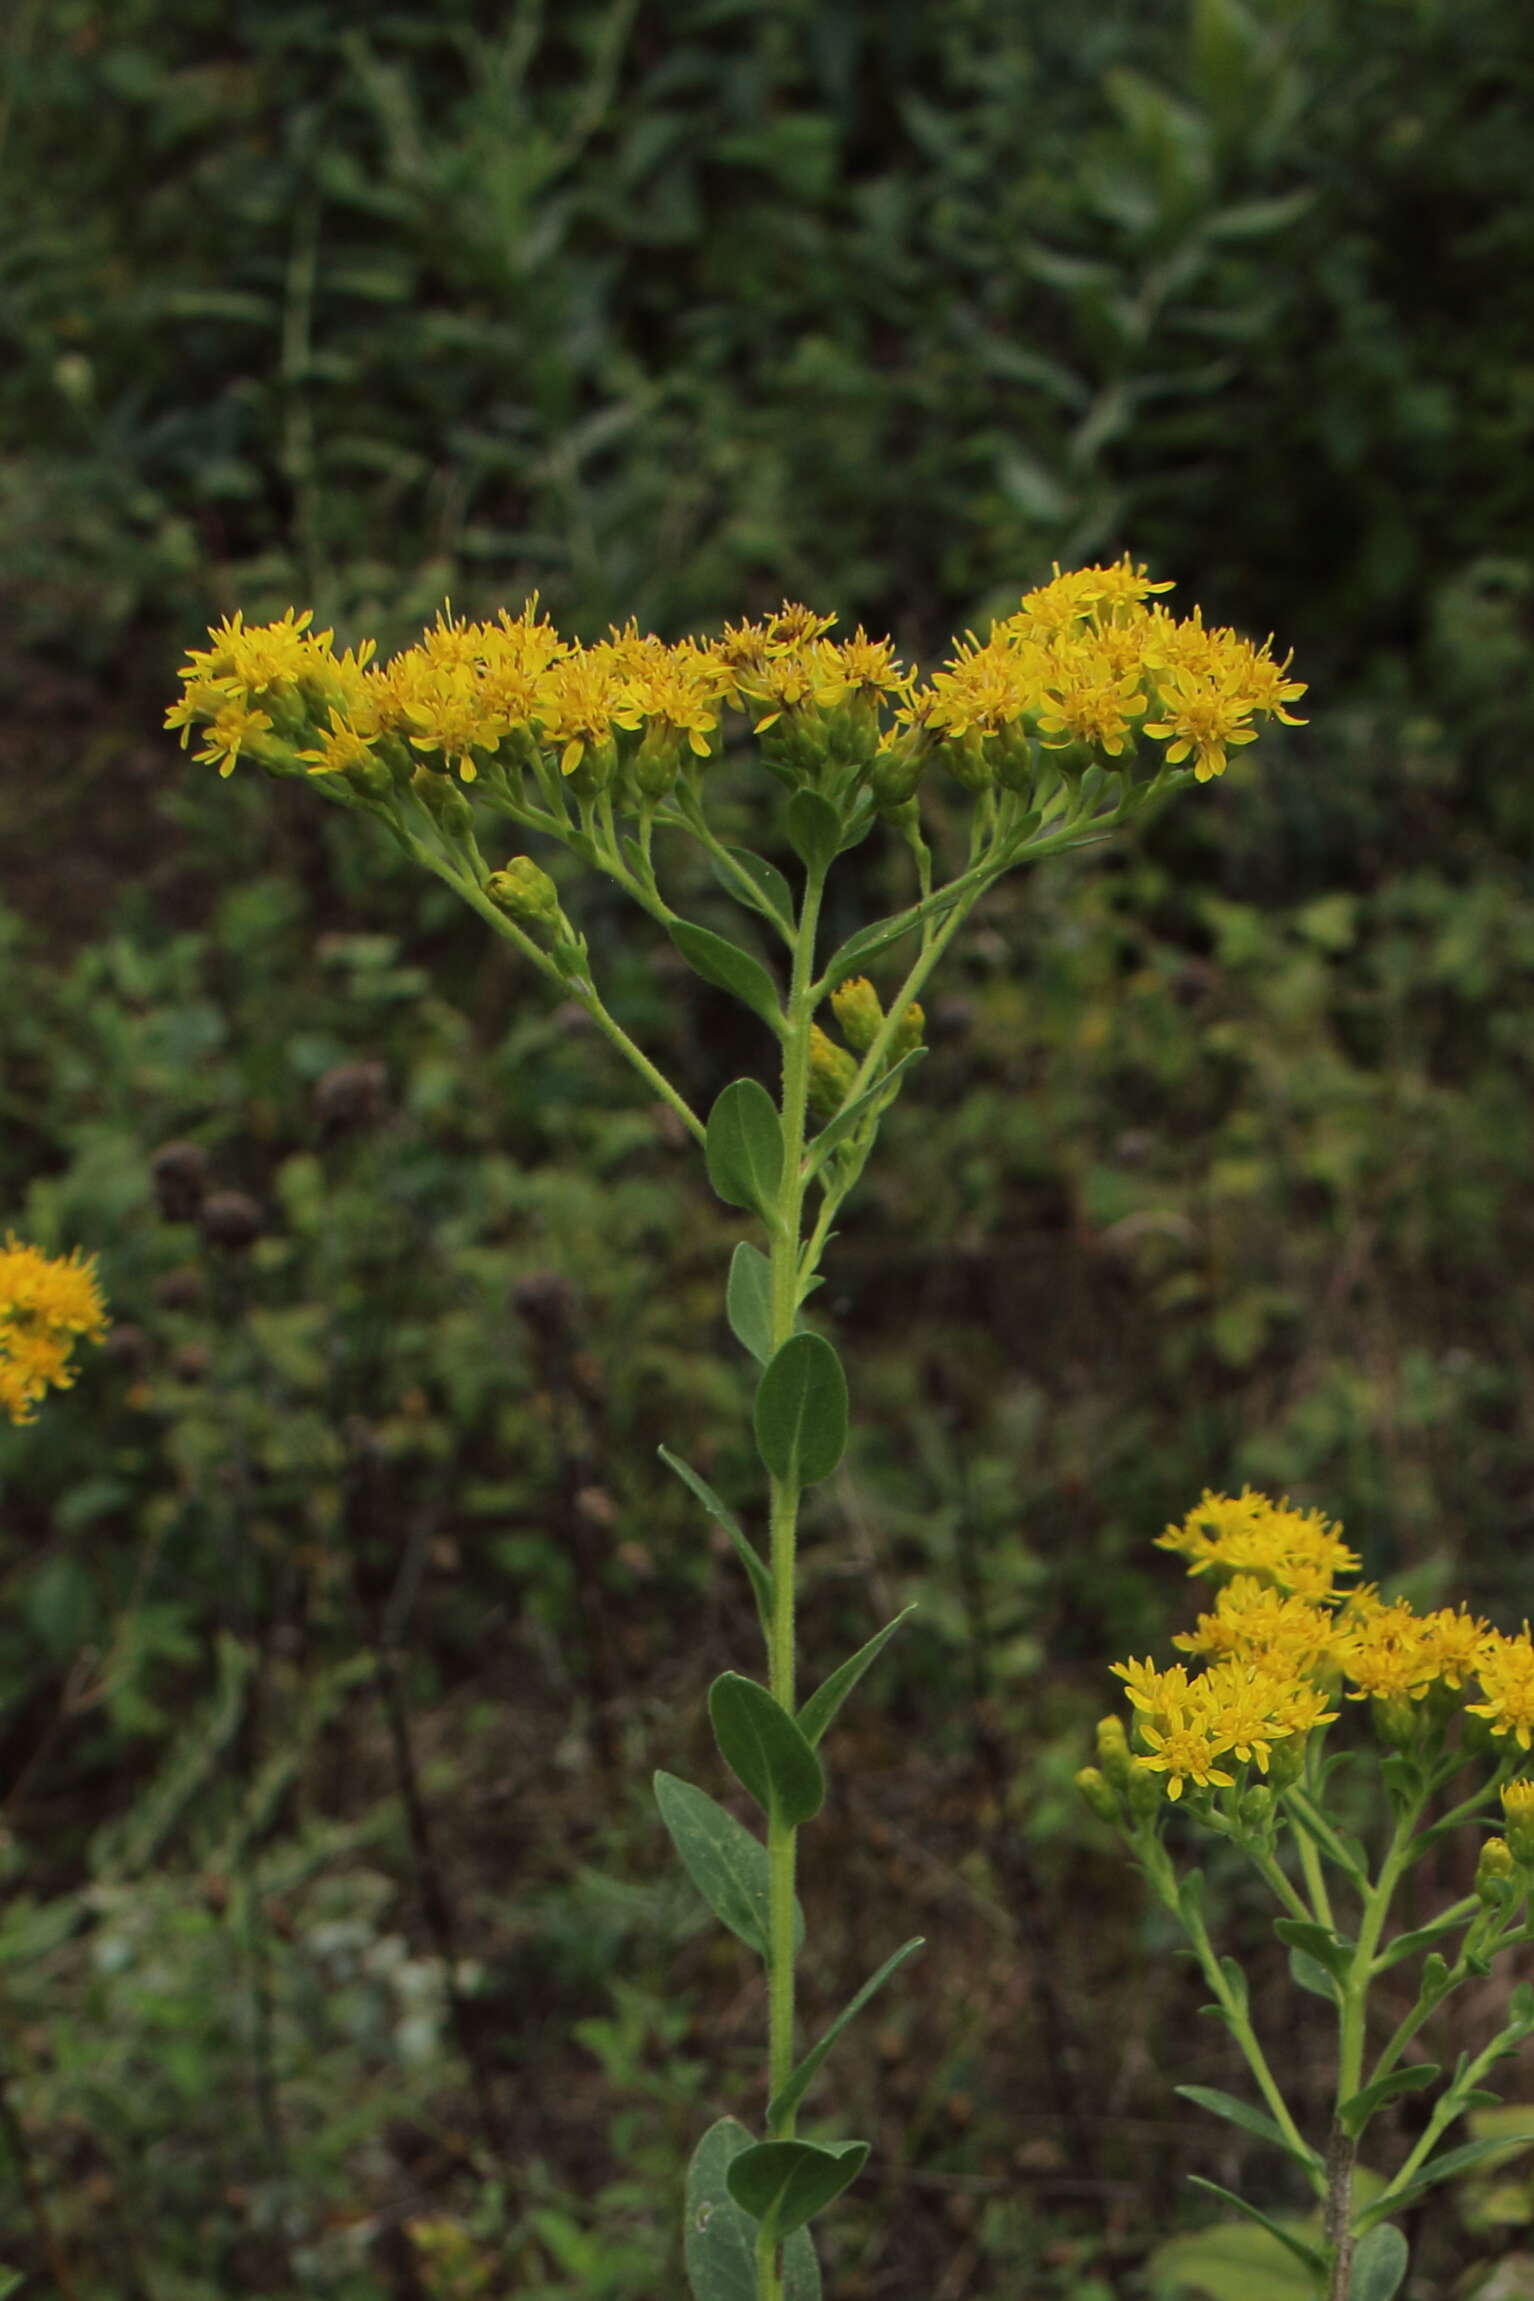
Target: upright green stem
x,y
1355,1995
787,1288
1315,1876
1353,2019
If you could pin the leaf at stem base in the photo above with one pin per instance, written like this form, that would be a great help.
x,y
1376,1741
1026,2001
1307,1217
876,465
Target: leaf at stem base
x,y
719,2240
1380,2262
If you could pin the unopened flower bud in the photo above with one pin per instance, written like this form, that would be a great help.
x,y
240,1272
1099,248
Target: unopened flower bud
x,y
369,775
1494,1874
969,762
1435,1976
1287,1762
856,1007
1113,1751
1147,1790
896,770
655,763
524,891
1016,762
1518,1811
1099,1797
1396,1721
832,1071
910,1033
443,801
1256,1808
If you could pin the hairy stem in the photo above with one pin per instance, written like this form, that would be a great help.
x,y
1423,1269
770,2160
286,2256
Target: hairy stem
x,y
1337,2215
1353,2024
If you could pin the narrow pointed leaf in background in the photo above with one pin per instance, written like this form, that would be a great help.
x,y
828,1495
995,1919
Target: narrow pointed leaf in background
x,y
804,2076
827,1699
728,968
745,1549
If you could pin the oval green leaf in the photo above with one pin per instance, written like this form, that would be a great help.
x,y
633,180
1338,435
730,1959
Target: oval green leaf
x,y
1379,2264
801,1411
760,884
728,968
1317,1942
784,2184
765,1750
814,830
725,1862
1240,2113
748,1301
743,1145
1354,2113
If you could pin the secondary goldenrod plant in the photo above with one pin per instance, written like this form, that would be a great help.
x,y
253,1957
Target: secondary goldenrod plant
x,y
1090,701
1237,1740
48,1303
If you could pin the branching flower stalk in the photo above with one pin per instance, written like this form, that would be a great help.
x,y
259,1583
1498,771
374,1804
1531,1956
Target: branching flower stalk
x,y
1074,713
1236,1742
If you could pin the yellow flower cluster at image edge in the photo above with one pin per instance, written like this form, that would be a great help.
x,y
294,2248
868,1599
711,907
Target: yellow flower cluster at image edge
x,y
1090,659
1286,1640
47,1304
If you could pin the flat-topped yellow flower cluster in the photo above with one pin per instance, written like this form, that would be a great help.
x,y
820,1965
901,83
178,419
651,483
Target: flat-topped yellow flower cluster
x,y
1286,1639
47,1304
1087,665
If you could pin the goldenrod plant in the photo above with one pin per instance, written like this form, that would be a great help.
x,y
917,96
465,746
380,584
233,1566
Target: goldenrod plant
x,y
1239,1739
1074,713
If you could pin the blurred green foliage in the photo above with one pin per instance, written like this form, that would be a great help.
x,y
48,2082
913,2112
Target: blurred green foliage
x,y
1217,1169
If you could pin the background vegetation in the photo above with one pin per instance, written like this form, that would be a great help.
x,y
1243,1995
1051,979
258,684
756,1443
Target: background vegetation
x,y
346,1605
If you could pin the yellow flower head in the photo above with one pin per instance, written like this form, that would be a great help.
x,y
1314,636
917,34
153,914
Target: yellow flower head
x,y
1255,1622
1201,723
1299,1552
1186,1749
47,1304
1388,1655
1453,1639
1505,1667
339,746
